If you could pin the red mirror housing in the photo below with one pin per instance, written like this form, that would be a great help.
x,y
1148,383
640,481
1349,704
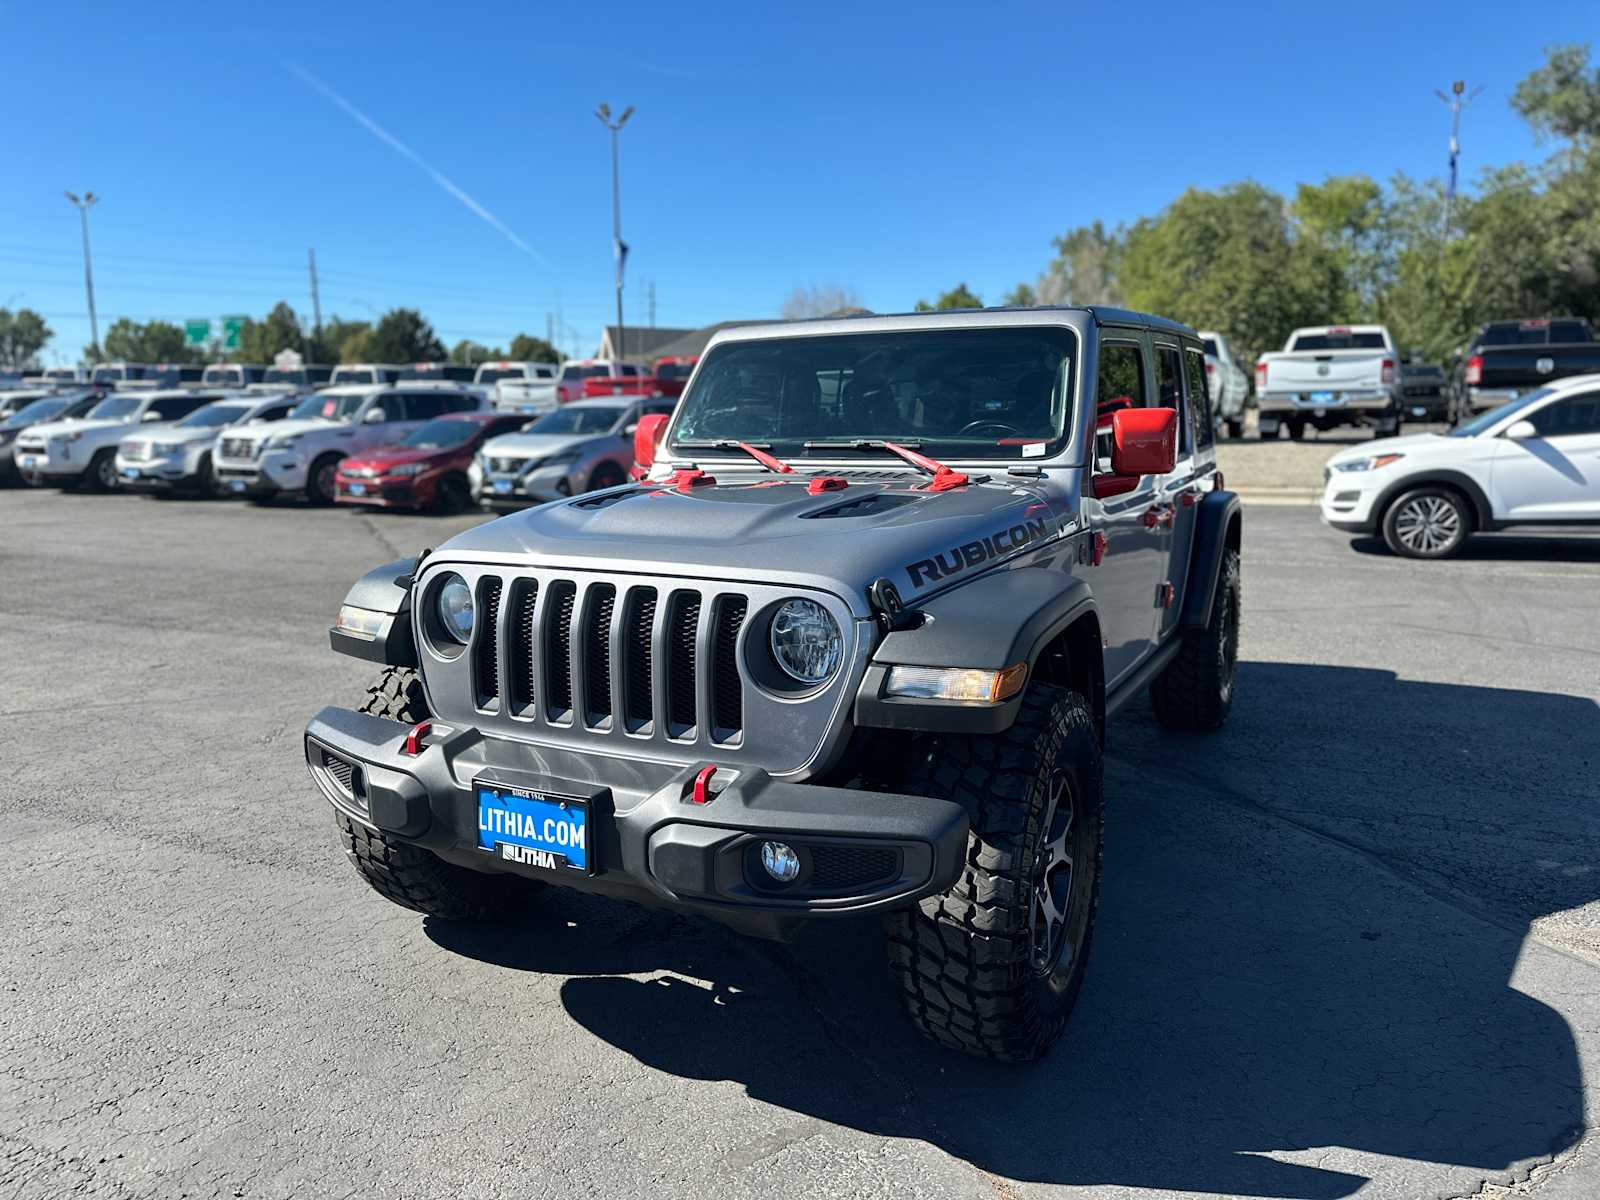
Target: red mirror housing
x,y
645,438
1144,441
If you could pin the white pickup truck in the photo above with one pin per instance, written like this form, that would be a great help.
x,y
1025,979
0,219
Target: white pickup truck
x,y
1227,382
1330,375
521,387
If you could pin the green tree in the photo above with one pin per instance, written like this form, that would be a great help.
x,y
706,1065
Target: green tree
x,y
1021,296
1562,98
22,335
527,348
1085,269
259,341
328,347
402,335
359,345
959,296
149,342
470,353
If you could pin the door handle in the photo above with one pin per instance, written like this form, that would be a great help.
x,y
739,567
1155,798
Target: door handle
x,y
1160,515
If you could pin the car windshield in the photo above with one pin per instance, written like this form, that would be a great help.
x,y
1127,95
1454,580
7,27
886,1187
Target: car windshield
x,y
1211,346
1339,340
577,420
442,434
994,393
222,375
343,376
39,410
496,374
274,375
1484,421
213,415
328,407
110,375
114,408
452,371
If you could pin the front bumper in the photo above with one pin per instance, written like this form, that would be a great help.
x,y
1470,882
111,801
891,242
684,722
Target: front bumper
x,y
648,840
275,472
535,487
171,472
39,465
1350,499
378,492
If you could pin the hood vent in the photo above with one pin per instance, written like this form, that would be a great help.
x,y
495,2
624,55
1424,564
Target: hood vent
x,y
602,501
864,506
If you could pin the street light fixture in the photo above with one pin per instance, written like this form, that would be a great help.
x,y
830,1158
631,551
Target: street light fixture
x,y
83,205
619,248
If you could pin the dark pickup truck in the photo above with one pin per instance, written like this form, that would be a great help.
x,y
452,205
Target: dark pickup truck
x,y
1508,359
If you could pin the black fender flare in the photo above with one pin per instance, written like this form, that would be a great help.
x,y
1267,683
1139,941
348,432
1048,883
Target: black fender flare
x,y
995,621
384,590
1218,520
1481,509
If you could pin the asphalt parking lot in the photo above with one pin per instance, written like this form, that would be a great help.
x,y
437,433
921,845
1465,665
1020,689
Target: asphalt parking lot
x,y
1350,946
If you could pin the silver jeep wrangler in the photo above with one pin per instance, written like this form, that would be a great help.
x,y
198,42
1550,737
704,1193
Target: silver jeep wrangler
x,y
849,644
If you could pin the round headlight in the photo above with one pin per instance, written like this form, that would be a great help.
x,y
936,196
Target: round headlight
x,y
454,605
806,641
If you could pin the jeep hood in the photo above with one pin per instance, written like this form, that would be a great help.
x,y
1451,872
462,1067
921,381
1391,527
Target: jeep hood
x,y
770,528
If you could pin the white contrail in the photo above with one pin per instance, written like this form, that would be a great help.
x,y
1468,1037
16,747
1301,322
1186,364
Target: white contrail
x,y
439,177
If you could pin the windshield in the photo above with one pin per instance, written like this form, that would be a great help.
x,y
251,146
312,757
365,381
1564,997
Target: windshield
x,y
1534,333
274,375
213,415
1211,346
111,375
1483,421
222,375
114,408
992,393
496,374
1339,341
328,408
39,410
442,434
451,371
577,420
343,376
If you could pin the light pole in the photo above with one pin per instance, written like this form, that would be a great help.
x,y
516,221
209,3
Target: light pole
x,y
1456,104
621,250
83,206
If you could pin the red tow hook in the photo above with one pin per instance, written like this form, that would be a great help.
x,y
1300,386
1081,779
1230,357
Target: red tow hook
x,y
414,745
702,784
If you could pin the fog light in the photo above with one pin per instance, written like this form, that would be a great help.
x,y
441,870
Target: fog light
x,y
782,863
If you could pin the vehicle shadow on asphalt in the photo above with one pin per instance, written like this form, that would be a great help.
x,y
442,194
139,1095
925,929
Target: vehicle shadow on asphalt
x,y
1275,968
1508,547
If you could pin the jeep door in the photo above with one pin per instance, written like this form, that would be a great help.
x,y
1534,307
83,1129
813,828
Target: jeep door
x,y
1181,383
1136,547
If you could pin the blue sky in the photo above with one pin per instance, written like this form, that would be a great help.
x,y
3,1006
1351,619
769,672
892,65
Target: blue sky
x,y
893,149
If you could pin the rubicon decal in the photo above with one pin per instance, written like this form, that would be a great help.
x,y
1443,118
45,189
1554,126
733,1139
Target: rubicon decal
x,y
970,554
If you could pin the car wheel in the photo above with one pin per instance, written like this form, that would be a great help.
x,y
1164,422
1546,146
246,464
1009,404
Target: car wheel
x,y
454,495
1297,430
1428,522
606,475
322,479
206,485
1195,690
408,875
994,965
1235,427
102,473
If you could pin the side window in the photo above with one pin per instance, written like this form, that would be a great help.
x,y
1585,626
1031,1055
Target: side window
x,y
425,406
392,405
276,413
1571,417
1169,393
629,370
461,403
173,407
1201,426
1120,385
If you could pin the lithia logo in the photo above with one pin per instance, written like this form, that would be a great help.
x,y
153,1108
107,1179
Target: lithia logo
x,y
970,554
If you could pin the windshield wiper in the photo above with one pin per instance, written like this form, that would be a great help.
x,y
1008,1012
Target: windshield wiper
x,y
756,450
943,476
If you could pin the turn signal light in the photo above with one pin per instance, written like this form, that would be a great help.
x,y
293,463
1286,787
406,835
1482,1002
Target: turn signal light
x,y
963,684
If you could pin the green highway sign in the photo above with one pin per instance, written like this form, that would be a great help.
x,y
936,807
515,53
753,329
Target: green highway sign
x,y
196,333
232,327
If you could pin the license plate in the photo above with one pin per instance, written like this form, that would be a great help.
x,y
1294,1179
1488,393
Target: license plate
x,y
357,489
1319,412
502,487
236,484
1418,411
1322,397
28,461
130,472
534,828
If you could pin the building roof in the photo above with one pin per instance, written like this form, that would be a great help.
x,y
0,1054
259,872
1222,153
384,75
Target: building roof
x,y
692,342
640,342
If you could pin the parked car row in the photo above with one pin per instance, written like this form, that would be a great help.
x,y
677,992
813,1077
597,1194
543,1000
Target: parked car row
x,y
413,443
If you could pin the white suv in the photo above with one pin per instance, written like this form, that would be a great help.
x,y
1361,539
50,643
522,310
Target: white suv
x,y
64,453
302,453
1535,461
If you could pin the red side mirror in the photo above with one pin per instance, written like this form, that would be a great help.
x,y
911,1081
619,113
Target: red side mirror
x,y
645,438
1144,441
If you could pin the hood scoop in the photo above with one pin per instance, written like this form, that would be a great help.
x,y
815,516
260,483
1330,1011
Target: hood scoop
x,y
864,506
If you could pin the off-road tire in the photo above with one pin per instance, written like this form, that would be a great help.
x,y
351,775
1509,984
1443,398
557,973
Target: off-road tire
x,y
963,960
1195,690
1440,522
316,493
409,875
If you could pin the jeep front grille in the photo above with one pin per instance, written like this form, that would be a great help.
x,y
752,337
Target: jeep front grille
x,y
602,660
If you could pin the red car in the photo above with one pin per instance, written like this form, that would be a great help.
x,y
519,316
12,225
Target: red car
x,y
426,470
673,372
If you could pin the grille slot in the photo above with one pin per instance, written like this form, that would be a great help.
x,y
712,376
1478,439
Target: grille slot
x,y
728,693
520,643
683,621
345,775
558,650
486,661
638,670
602,600
848,868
